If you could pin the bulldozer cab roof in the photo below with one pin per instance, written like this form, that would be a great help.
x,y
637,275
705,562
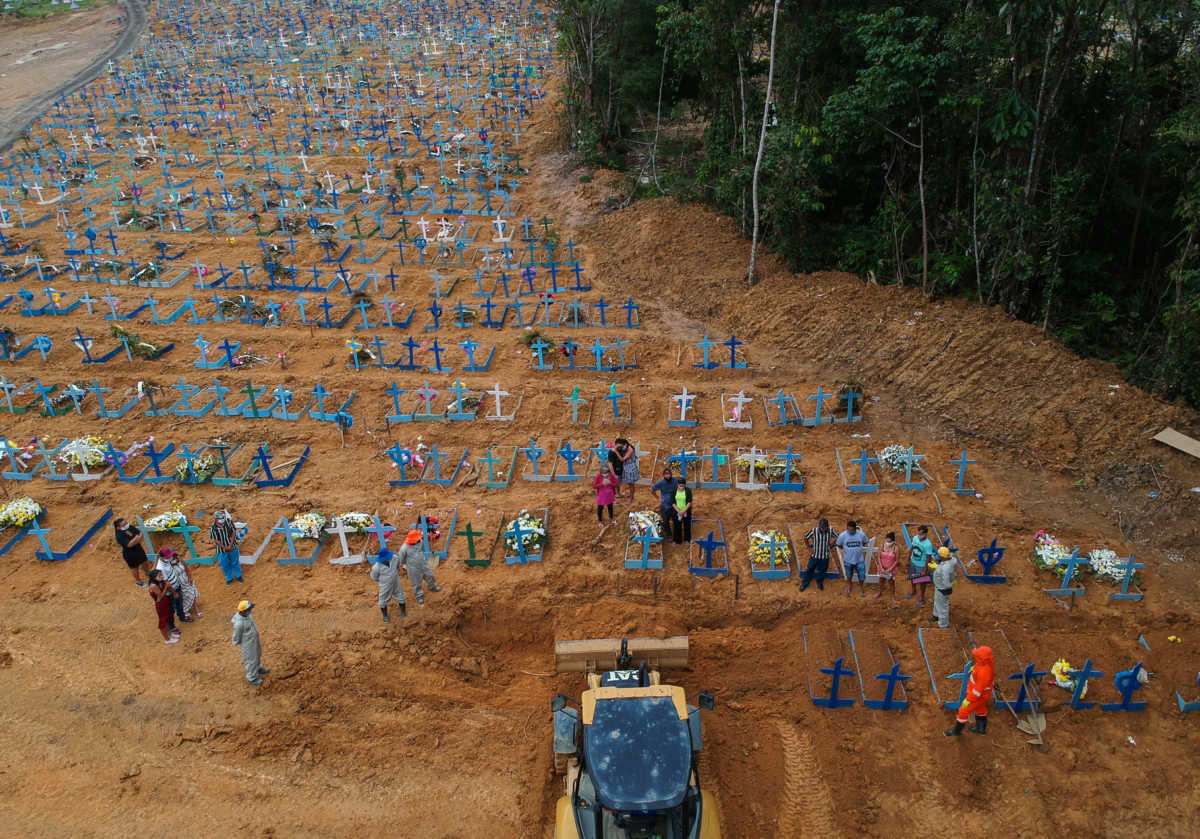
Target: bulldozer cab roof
x,y
637,746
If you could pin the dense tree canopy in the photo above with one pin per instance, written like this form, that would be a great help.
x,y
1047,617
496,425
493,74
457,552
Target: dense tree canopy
x,y
1042,155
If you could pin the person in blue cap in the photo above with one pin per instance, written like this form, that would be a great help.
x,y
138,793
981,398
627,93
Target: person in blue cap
x,y
385,570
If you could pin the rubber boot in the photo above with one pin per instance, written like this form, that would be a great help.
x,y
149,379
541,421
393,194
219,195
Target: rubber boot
x,y
980,726
386,619
403,611
956,731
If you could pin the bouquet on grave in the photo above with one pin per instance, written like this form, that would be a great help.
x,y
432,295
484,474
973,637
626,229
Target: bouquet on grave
x,y
19,512
1049,553
203,468
1106,565
140,348
643,521
760,548
88,451
777,469
894,457
165,521
62,398
310,524
358,522
533,536
1060,672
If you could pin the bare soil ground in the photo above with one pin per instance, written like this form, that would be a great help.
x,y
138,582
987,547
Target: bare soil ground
x,y
439,726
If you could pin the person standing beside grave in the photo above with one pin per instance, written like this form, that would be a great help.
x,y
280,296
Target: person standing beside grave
x,y
681,511
132,551
416,563
918,557
979,691
385,570
889,558
629,473
171,568
818,540
245,635
160,593
605,485
666,500
853,543
180,577
943,586
224,536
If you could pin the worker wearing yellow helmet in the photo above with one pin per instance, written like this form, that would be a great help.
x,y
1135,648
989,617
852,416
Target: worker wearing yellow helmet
x,y
944,573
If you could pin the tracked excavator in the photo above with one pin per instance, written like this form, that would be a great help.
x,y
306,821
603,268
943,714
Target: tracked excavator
x,y
628,749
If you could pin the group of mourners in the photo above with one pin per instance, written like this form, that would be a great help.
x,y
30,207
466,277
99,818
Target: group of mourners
x,y
172,587
620,472
925,565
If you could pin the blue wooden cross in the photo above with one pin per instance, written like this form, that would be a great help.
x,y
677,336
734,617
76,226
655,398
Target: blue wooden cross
x,y
569,456
1081,676
1065,590
614,399
469,347
401,459
575,400
12,452
716,460
864,460
773,571
534,454
1025,700
189,458
290,533
708,545
539,348
786,483
962,463
733,343
988,557
683,458
837,673
395,391
1127,682
1131,565
518,534
781,403
263,458
894,678
632,319
910,460
850,395
644,563
706,346
47,553
458,413
819,398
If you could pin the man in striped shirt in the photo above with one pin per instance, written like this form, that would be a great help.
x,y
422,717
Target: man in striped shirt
x,y
818,540
224,537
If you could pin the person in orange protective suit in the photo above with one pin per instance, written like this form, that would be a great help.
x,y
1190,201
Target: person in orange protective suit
x,y
979,691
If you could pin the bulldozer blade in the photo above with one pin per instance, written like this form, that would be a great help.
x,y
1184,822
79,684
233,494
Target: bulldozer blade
x,y
598,654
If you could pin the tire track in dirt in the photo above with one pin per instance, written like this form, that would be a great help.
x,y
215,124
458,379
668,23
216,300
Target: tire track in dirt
x,y
135,21
807,807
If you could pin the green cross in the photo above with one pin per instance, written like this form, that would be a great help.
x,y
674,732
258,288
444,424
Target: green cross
x,y
470,532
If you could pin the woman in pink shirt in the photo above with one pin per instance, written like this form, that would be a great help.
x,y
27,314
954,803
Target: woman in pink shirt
x,y
889,555
605,485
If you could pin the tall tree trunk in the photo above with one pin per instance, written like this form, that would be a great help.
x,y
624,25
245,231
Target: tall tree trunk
x,y
742,91
921,190
975,208
762,144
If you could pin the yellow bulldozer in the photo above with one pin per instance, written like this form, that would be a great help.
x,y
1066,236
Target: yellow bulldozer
x,y
628,748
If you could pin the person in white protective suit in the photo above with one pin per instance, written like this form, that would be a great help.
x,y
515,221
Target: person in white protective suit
x,y
416,562
385,570
245,635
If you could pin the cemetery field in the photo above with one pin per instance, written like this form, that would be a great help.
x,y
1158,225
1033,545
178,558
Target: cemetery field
x,y
367,282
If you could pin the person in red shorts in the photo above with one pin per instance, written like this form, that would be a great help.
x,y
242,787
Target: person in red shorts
x,y
979,691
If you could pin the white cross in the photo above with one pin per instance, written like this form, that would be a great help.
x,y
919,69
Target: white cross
x,y
304,161
153,138
684,401
496,392
367,189
424,226
328,179
500,224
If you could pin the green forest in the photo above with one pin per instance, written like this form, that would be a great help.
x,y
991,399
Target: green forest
x,y
1042,156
